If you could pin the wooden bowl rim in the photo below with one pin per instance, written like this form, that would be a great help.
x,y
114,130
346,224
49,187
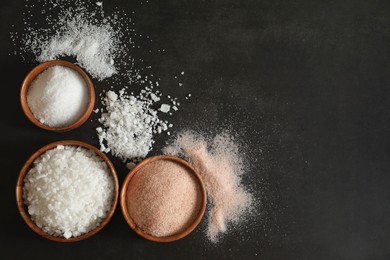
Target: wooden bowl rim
x,y
31,76
19,191
129,220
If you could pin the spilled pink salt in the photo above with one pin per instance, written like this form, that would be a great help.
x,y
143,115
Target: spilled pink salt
x,y
221,168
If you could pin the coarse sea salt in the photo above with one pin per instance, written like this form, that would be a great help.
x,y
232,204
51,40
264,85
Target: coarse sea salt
x,y
58,96
129,124
68,191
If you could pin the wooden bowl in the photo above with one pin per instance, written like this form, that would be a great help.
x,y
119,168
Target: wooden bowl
x,y
31,77
23,209
128,218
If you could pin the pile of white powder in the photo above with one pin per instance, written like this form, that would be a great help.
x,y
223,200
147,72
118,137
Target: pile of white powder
x,y
68,191
90,44
58,96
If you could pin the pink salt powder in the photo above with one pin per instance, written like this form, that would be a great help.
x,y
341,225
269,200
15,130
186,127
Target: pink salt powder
x,y
164,198
220,167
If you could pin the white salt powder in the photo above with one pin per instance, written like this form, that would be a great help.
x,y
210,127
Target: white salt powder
x,y
68,191
163,198
75,29
91,45
221,167
58,96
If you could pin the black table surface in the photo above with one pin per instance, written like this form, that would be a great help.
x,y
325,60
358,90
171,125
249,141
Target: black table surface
x,y
305,86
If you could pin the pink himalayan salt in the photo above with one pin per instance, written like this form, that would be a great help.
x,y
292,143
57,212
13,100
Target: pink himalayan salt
x,y
221,168
164,198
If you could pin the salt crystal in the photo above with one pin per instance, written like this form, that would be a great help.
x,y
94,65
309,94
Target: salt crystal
x,y
154,97
165,108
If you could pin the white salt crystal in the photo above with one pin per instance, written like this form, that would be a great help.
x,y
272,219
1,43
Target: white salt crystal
x,y
165,108
111,95
67,234
164,127
175,108
154,97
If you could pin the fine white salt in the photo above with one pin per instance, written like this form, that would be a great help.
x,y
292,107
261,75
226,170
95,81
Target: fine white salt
x,y
90,44
68,191
58,96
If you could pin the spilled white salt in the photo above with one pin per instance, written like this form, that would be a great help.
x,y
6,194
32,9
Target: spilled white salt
x,y
128,126
58,96
68,191
221,168
91,45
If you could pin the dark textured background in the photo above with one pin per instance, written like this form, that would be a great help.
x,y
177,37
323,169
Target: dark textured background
x,y
306,86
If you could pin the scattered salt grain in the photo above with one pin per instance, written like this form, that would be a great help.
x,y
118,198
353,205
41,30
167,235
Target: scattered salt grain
x,y
154,97
221,167
68,191
163,198
130,165
165,108
58,96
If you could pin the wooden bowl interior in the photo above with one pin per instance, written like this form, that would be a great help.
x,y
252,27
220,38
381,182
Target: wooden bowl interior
x,y
31,77
138,230
23,209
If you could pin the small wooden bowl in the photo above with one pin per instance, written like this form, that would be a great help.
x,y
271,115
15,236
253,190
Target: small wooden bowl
x,y
23,209
138,230
31,77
